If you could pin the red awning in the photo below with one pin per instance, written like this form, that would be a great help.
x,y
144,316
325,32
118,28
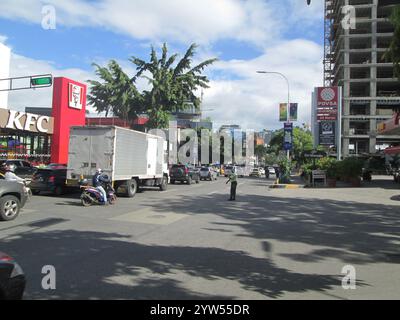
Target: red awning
x,y
392,150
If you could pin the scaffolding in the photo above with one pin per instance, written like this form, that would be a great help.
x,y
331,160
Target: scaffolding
x,y
328,43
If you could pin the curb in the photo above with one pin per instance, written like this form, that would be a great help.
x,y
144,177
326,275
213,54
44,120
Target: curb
x,y
286,186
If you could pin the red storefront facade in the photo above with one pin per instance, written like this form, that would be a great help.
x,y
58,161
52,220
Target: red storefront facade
x,y
43,139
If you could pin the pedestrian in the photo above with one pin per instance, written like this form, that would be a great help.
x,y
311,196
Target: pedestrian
x,y
233,180
266,169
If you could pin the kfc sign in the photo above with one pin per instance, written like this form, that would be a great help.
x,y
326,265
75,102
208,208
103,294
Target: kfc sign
x,y
75,96
17,120
327,103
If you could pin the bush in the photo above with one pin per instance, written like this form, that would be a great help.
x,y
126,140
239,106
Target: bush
x,y
350,168
330,165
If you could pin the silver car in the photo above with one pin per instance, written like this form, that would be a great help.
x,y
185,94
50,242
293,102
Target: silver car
x,y
207,173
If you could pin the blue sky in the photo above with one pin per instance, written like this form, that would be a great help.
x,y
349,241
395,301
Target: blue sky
x,y
245,35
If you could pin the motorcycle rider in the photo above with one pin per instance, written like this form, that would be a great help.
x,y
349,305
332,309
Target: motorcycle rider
x,y
98,180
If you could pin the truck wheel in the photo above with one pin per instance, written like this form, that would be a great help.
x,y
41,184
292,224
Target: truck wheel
x,y
164,183
132,187
9,208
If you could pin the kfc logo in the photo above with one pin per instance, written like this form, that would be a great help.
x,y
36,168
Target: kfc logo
x,y
75,96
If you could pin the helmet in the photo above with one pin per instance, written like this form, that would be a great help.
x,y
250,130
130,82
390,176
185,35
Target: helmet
x,y
98,170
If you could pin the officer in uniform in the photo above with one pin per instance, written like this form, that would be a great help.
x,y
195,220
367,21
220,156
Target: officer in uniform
x,y
233,181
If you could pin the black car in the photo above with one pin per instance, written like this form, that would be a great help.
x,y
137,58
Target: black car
x,y
50,179
183,173
12,279
13,196
22,168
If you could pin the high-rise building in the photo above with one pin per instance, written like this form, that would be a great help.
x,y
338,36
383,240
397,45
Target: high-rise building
x,y
5,54
357,35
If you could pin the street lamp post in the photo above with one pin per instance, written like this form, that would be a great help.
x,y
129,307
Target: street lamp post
x,y
288,97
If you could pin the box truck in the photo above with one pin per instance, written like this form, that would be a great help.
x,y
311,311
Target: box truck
x,y
130,158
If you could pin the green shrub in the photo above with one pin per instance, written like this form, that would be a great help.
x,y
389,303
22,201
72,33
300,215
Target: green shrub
x,y
330,165
350,168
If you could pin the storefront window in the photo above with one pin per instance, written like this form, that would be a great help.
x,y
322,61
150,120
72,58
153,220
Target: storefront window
x,y
32,147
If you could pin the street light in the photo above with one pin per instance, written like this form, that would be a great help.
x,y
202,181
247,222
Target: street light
x,y
288,97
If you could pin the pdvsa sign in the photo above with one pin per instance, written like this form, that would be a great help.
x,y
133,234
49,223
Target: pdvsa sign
x,y
11,119
75,96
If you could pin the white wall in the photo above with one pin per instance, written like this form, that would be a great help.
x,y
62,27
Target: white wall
x,y
5,55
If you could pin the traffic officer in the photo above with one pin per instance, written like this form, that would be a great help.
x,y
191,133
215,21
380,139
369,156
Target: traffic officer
x,y
233,180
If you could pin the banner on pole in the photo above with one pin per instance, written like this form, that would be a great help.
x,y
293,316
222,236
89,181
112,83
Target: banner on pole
x,y
288,136
283,115
293,112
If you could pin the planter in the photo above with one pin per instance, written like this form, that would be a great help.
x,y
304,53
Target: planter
x,y
355,182
331,182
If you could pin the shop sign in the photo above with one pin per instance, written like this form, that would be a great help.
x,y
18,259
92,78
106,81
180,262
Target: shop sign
x,y
327,136
75,96
17,120
327,103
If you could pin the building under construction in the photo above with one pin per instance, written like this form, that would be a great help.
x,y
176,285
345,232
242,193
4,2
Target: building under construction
x,y
354,59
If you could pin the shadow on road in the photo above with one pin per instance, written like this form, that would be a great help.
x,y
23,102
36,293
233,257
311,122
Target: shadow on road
x,y
94,265
356,232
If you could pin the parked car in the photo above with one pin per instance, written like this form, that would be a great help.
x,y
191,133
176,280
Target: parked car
x,y
228,170
255,173
51,179
184,173
271,170
12,279
13,196
208,173
21,168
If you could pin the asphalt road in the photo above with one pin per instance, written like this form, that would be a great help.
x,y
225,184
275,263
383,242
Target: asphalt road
x,y
189,242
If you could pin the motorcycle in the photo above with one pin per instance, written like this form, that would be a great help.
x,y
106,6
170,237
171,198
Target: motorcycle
x,y
367,175
91,196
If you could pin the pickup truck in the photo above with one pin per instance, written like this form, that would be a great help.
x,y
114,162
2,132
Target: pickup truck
x,y
12,198
180,172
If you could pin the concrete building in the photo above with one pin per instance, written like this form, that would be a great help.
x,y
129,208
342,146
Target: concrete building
x,y
5,55
354,60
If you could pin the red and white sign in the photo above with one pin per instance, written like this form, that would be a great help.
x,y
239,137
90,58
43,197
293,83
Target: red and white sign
x,y
75,95
327,103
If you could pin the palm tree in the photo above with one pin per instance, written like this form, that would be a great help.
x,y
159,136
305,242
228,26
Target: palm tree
x,y
171,87
117,94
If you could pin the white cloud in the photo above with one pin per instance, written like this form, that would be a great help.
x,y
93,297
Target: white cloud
x,y
252,99
24,66
257,21
237,93
3,39
243,97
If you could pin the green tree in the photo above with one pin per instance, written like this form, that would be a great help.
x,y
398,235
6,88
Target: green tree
x,y
173,84
260,151
393,52
117,93
302,141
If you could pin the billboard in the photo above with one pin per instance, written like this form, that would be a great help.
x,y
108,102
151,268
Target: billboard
x,y
327,133
327,103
